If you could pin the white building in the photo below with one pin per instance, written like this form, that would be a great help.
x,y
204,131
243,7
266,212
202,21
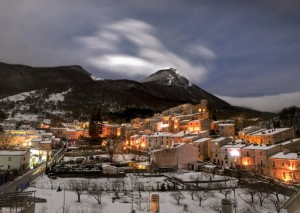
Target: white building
x,y
15,159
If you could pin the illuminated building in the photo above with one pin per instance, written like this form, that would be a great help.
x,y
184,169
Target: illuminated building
x,y
285,166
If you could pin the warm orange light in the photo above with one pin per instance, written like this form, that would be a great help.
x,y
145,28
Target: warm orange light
x,y
292,168
143,145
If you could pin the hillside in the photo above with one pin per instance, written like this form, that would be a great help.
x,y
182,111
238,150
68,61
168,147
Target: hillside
x,y
71,92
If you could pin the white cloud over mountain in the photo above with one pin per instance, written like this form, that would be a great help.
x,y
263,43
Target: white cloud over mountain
x,y
104,50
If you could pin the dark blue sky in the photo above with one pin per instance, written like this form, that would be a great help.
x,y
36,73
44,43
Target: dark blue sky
x,y
248,51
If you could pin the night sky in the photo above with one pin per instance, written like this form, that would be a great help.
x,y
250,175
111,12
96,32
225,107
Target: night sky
x,y
246,52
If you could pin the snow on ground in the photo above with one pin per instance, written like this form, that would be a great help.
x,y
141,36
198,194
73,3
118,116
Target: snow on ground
x,y
58,96
96,78
19,97
88,204
25,117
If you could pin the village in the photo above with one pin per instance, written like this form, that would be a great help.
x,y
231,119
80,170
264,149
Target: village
x,y
181,144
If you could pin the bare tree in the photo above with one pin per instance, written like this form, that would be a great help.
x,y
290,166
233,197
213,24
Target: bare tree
x,y
262,195
113,144
277,202
6,140
196,178
78,186
223,190
192,193
97,191
252,192
177,196
202,196
215,206
139,186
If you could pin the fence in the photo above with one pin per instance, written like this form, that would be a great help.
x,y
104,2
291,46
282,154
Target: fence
x,y
22,182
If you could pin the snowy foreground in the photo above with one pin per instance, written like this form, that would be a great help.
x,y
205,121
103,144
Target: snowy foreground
x,y
47,188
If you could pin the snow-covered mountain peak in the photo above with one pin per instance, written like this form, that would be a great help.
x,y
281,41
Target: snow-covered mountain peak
x,y
168,76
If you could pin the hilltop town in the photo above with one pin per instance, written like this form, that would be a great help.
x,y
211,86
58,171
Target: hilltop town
x,y
182,139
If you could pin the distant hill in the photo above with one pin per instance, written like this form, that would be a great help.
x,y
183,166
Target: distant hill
x,y
117,99
17,78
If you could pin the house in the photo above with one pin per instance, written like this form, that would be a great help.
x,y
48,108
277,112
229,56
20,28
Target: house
x,y
15,159
226,130
203,146
179,156
215,145
270,136
231,154
285,166
255,157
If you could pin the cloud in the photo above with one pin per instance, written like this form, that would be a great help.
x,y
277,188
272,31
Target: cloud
x,y
203,51
271,103
106,50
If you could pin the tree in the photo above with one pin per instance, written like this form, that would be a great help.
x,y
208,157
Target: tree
x,y
78,186
95,127
96,191
112,145
196,178
6,140
202,196
278,203
177,196
262,195
252,192
222,190
192,193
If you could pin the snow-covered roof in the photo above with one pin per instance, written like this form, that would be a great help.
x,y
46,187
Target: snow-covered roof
x,y
270,131
202,140
290,141
260,147
46,142
218,139
180,134
227,124
282,155
13,152
198,132
36,139
236,145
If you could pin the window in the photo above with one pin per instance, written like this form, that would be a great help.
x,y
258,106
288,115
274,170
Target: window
x,y
8,166
216,155
273,163
247,154
9,158
284,175
282,163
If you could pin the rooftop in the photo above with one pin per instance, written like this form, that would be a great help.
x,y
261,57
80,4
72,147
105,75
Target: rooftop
x,y
13,152
260,147
282,155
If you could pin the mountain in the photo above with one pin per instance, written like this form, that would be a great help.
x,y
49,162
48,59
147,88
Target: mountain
x,y
168,77
17,78
169,84
74,92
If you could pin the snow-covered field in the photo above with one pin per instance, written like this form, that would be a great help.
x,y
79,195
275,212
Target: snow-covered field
x,y
47,188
